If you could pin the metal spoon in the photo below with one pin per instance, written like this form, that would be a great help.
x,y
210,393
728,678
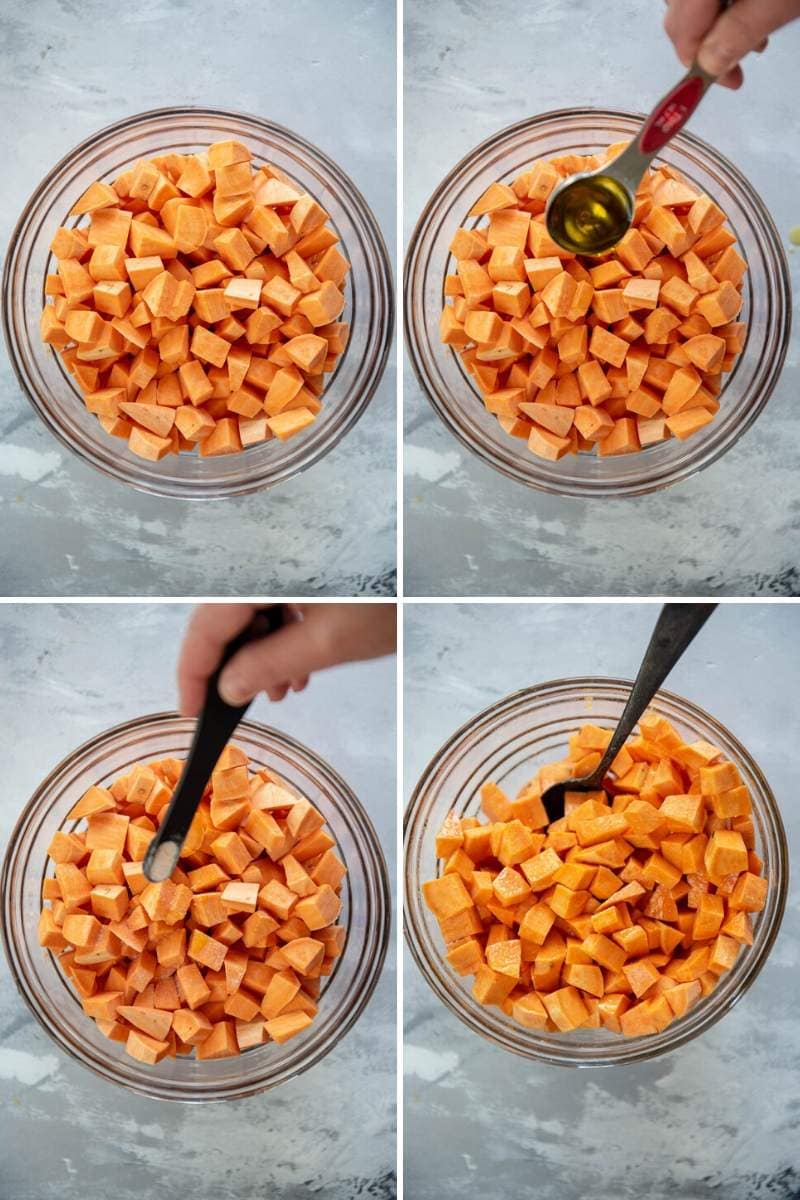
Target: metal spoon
x,y
676,626
213,731
588,213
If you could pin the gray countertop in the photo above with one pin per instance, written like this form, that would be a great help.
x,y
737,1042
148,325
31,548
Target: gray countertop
x,y
471,69
66,1134
328,72
718,1118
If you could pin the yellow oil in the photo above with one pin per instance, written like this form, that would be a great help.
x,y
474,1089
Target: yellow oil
x,y
590,216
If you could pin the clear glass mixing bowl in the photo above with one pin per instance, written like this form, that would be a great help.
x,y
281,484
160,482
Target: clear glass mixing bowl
x,y
767,307
52,392
506,743
50,997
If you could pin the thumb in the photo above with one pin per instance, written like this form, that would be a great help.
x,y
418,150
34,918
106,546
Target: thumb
x,y
740,29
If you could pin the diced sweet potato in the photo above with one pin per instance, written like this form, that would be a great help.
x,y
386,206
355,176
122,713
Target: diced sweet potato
x,y
130,959
146,313
645,911
550,337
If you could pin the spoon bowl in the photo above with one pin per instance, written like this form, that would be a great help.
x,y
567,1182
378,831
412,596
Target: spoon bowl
x,y
589,213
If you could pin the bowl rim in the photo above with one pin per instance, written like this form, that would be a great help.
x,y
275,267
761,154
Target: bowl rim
x,y
374,242
590,489
438,975
382,918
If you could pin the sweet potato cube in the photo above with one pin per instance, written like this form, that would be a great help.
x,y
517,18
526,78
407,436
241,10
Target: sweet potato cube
x,y
231,853
749,894
465,957
109,901
724,953
529,1011
323,305
206,950
641,975
558,294
622,439
585,976
548,445
683,814
304,954
220,1043
49,933
287,1026
726,854
496,197
540,870
719,778
505,958
681,997
152,1021
250,1033
566,1008
491,987
240,897
282,988
146,1049
605,952
209,346
285,425
191,1027
192,986
320,909
280,901
607,346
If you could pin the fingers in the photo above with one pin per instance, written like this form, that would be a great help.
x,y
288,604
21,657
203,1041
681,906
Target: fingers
x,y
270,664
732,79
210,628
315,636
687,22
740,29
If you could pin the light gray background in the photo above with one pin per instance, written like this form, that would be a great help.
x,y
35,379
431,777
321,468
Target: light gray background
x,y
67,1135
470,69
719,1117
69,67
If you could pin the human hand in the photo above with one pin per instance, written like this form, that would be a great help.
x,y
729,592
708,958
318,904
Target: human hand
x,y
718,40
315,636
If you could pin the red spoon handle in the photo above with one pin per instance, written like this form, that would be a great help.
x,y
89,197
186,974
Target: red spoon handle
x,y
672,113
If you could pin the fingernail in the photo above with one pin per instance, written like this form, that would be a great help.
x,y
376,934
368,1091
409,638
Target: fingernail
x,y
232,690
715,58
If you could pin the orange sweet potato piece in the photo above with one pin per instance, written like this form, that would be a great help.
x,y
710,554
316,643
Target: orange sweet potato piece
x,y
147,1049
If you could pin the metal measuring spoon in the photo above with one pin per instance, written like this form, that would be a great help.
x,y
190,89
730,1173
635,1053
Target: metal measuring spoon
x,y
215,726
676,626
590,212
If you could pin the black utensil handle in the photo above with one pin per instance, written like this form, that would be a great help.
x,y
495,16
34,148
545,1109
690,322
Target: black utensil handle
x,y
215,725
676,627
217,719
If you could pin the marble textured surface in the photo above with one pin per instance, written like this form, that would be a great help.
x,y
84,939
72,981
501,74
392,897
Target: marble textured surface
x,y
719,1117
471,69
64,1133
67,68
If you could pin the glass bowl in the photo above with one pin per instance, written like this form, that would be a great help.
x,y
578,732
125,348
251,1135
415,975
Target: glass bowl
x,y
51,390
767,307
50,997
506,743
